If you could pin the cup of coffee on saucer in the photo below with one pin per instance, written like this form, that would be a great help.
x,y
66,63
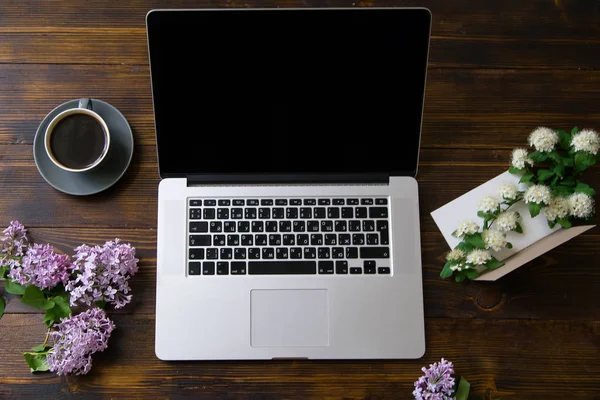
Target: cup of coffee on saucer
x,y
77,139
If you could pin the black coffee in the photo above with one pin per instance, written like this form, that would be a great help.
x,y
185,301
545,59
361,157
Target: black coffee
x,y
77,141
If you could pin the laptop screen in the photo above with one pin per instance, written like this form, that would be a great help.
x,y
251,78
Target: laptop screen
x,y
288,91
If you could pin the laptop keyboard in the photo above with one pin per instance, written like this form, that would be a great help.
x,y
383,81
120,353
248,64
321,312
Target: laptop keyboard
x,y
289,236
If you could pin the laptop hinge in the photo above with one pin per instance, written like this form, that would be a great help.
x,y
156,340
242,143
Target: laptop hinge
x,y
293,179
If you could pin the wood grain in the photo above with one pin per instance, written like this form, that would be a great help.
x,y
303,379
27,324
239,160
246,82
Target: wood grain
x,y
491,367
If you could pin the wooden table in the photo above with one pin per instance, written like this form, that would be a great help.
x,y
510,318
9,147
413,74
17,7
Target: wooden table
x,y
497,70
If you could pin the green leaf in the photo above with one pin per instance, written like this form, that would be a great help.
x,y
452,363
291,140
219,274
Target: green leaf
x,y
34,297
446,271
515,171
564,139
472,273
1,306
60,310
494,263
544,174
41,348
551,224
475,240
584,160
584,188
527,177
555,156
101,304
559,170
568,162
563,191
568,181
564,222
3,273
538,156
466,247
509,245
519,228
534,209
464,387
36,362
13,287
459,277
574,131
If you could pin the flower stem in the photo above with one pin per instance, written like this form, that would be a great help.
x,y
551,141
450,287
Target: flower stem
x,y
47,335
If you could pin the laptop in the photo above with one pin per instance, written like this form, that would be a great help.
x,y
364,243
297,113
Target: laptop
x,y
288,212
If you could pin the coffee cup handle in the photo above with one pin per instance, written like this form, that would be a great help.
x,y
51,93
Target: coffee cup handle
x,y
85,103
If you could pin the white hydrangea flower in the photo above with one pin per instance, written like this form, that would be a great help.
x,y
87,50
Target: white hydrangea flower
x,y
539,194
543,139
466,227
494,239
508,191
478,257
557,208
520,157
488,204
455,255
507,221
587,140
581,205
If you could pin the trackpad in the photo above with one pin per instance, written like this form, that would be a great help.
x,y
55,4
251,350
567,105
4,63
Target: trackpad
x,y
289,318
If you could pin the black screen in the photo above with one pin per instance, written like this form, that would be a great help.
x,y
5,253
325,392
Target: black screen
x,y
288,91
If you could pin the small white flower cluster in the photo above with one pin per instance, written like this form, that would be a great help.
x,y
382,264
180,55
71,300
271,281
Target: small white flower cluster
x,y
478,257
466,227
587,141
520,157
455,255
507,221
539,194
558,207
488,204
543,139
508,191
494,239
581,205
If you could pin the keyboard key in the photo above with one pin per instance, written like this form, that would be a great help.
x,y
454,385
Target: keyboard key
x,y
358,239
226,253
238,268
285,226
289,240
366,202
305,212
209,213
320,212
200,240
324,202
247,240
252,202
200,227
239,253
196,254
341,226
344,239
260,240
326,267
355,270
250,213
352,202
210,203
264,213
239,202
331,239
372,239
374,252
368,226
194,268
313,226
383,270
258,226
310,252
222,268
333,212
360,212
219,240
271,226
233,240
381,201
378,212
310,202
302,240
337,252
299,226
347,212
295,202
282,267
296,252
291,213
352,252
326,226
212,254
195,203
224,203
254,253
208,268
354,226
384,234
278,213
228,226
281,202
216,226
266,202
274,240
369,267
237,213
338,202
281,253
268,253
316,239
243,226
323,252
341,267
195,213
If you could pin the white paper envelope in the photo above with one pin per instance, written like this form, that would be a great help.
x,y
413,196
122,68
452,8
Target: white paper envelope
x,y
537,237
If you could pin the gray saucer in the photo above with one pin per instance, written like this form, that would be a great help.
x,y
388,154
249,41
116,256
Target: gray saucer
x,y
104,175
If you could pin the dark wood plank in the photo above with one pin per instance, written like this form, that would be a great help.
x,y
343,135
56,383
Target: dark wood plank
x,y
556,360
554,286
491,109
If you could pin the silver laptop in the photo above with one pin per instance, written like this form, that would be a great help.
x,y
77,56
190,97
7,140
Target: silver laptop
x,y
288,214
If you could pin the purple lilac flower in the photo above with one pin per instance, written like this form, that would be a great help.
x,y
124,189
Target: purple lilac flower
x,y
76,338
102,274
13,244
42,267
437,383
